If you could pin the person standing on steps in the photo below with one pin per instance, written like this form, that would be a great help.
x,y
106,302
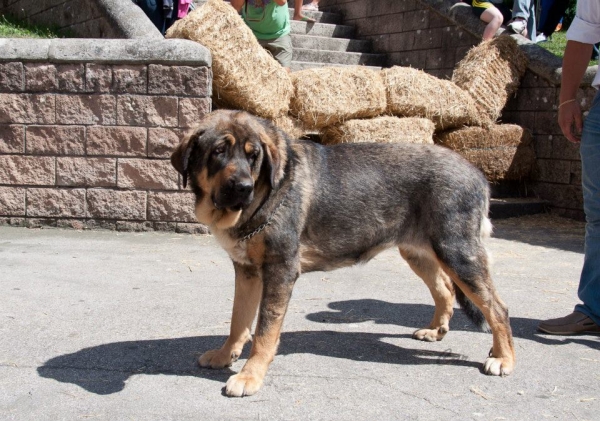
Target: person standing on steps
x,y
269,20
581,37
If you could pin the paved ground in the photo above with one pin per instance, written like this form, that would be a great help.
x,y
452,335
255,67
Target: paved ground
x,y
105,325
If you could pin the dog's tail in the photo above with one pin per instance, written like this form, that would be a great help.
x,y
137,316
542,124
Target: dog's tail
x,y
471,310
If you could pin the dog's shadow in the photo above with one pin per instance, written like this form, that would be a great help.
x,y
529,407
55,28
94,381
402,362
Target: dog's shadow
x,y
105,369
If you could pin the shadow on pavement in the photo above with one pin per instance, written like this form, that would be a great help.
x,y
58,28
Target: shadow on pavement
x,y
419,315
105,369
542,230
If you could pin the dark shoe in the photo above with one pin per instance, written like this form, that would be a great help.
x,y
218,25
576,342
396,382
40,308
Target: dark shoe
x,y
574,324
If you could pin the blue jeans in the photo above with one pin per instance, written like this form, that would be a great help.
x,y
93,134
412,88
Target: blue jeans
x,y
589,283
526,9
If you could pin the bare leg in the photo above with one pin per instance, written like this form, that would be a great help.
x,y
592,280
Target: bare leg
x,y
298,12
493,17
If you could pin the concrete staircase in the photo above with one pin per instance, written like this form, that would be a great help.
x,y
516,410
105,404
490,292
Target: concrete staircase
x,y
328,43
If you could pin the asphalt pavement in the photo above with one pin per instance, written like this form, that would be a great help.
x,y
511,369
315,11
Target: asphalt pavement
x,y
102,325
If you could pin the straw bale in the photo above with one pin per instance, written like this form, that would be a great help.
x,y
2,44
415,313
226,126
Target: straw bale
x,y
414,93
288,123
491,72
291,125
380,130
501,152
329,95
245,75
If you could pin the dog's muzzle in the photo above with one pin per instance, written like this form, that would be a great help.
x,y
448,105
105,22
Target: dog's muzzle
x,y
236,194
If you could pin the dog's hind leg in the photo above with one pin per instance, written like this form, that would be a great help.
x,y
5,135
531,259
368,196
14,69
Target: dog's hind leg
x,y
248,290
466,262
425,265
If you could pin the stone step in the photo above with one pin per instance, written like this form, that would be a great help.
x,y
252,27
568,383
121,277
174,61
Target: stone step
x,y
303,65
331,44
321,17
512,207
339,57
322,29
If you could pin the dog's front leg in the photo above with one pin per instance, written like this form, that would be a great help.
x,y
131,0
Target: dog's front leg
x,y
248,289
278,281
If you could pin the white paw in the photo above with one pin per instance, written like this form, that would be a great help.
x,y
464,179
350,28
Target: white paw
x,y
242,384
498,366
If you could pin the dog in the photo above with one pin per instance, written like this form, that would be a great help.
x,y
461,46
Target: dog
x,y
281,207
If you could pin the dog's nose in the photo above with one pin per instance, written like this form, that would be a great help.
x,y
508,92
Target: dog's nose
x,y
243,187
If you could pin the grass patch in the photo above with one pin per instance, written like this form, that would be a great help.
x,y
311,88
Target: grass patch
x,y
557,44
11,27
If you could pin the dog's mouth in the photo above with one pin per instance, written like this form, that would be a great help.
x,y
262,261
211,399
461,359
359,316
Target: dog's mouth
x,y
236,206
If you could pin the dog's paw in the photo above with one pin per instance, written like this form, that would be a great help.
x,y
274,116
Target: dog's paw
x,y
217,358
430,335
243,384
498,366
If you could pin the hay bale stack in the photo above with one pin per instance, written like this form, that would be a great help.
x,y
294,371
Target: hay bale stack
x,y
491,73
414,93
245,75
501,152
380,130
291,125
329,95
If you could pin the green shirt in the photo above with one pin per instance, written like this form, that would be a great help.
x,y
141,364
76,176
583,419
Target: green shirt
x,y
267,19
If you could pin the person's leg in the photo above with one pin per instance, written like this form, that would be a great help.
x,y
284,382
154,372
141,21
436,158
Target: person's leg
x,y
586,316
555,13
589,283
298,13
281,50
520,14
531,22
493,18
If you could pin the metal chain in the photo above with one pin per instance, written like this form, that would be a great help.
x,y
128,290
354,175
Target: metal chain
x,y
262,226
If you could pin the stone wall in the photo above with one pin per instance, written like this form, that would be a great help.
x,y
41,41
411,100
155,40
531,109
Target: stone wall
x,y
85,18
87,128
434,35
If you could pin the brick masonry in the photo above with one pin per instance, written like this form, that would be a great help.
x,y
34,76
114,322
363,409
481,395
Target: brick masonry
x,y
85,139
422,34
85,144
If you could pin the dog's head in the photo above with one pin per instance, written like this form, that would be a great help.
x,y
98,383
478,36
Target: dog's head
x,y
227,158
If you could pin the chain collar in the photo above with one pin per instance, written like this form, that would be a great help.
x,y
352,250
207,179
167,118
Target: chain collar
x,y
263,225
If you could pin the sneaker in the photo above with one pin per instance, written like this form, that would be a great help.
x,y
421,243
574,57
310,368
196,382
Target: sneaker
x,y
518,26
542,38
573,324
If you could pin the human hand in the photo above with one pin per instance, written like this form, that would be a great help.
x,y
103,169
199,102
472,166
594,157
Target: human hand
x,y
570,121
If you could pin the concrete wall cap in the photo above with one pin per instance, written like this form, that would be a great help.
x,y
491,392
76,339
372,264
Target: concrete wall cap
x,y
130,19
22,49
109,51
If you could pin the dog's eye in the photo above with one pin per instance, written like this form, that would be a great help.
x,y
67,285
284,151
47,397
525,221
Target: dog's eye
x,y
219,150
253,155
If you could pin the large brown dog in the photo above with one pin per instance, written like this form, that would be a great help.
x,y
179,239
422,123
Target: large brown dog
x,y
281,207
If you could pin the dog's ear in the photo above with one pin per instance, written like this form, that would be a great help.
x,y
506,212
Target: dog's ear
x,y
274,146
180,159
